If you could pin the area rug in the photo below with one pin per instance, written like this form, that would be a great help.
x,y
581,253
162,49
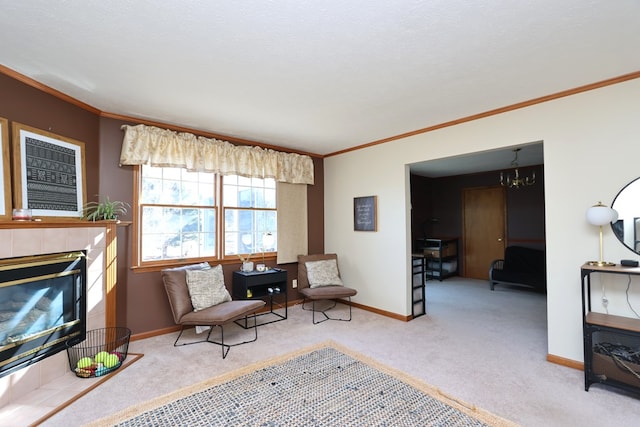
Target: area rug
x,y
325,385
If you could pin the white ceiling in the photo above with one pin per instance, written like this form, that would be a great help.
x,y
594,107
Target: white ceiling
x,y
528,155
312,75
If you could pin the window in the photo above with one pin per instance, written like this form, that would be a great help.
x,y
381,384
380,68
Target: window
x,y
179,215
250,219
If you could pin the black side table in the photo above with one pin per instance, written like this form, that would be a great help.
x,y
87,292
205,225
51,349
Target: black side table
x,y
269,285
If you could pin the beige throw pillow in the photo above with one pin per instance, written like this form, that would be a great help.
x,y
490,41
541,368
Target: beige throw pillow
x,y
323,273
206,287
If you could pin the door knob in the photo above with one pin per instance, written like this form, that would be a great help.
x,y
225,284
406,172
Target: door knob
x,y
499,239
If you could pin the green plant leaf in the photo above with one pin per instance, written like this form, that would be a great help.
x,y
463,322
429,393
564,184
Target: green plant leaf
x,y
107,209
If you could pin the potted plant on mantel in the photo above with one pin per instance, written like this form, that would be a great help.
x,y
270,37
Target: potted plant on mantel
x,y
105,210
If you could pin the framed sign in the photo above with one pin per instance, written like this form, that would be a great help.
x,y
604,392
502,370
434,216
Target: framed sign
x,y
364,213
5,176
49,173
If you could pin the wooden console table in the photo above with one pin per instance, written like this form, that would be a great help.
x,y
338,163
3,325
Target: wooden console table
x,y
601,330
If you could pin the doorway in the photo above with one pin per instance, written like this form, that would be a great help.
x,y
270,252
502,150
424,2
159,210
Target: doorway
x,y
437,206
484,229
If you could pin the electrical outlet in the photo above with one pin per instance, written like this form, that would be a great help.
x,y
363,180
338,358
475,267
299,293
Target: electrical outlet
x,y
294,283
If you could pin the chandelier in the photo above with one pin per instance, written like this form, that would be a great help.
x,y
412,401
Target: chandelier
x,y
506,180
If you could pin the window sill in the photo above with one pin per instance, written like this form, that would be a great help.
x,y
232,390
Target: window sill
x,y
268,259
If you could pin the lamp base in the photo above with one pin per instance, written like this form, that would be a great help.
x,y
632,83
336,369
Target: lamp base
x,y
601,263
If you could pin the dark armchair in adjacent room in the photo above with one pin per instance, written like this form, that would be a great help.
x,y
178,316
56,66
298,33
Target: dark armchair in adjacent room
x,y
319,281
521,266
198,297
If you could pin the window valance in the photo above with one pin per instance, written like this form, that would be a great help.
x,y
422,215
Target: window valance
x,y
162,147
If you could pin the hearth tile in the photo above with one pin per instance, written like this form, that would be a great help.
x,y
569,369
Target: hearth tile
x,y
98,236
26,242
37,397
78,239
15,415
56,397
72,382
6,237
53,238
5,395
54,367
25,381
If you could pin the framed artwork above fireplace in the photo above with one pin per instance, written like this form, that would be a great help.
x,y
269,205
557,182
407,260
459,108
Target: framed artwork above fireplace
x,y
5,176
49,173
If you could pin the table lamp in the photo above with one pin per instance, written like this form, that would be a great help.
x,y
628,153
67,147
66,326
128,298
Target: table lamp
x,y
600,215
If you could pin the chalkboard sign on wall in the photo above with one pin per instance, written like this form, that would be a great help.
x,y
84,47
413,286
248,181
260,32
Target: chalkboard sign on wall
x,y
364,213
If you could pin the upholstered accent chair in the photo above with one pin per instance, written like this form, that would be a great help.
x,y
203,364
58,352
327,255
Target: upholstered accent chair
x,y
319,282
217,315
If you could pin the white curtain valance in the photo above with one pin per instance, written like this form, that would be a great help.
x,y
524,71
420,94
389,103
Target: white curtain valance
x,y
162,147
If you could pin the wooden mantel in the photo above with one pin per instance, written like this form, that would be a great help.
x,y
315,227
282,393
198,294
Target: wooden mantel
x,y
60,223
111,252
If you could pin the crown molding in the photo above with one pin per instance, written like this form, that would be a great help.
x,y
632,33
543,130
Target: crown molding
x,y
557,95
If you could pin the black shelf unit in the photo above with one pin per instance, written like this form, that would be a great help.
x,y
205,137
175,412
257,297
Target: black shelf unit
x,y
441,257
269,285
601,330
418,279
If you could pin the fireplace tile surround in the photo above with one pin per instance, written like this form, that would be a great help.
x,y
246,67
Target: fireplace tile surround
x,y
42,239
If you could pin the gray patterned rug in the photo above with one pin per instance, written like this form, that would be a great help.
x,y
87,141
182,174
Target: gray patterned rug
x,y
327,385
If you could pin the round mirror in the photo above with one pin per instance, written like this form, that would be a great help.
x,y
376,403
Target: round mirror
x,y
627,227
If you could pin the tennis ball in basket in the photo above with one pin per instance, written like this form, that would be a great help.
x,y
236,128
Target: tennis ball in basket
x,y
101,356
110,361
120,355
84,362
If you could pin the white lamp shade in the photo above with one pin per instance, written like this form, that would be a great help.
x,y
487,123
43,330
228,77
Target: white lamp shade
x,y
601,215
268,240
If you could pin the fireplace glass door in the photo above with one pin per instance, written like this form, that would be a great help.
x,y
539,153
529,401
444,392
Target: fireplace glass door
x,y
42,305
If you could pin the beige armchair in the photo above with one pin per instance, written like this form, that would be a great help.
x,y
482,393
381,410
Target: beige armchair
x,y
218,315
319,281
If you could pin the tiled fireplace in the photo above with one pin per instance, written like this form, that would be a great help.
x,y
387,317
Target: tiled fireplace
x,y
41,239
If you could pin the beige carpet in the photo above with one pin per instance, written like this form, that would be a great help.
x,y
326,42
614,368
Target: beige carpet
x,y
481,346
351,390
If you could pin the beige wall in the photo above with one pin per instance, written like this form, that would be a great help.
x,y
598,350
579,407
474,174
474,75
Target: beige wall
x,y
591,151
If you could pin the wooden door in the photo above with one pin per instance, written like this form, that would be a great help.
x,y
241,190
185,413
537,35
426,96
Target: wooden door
x,y
484,229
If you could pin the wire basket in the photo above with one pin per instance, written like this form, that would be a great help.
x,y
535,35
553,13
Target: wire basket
x,y
103,351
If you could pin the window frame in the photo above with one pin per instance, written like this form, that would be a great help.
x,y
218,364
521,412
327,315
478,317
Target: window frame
x,y
219,258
